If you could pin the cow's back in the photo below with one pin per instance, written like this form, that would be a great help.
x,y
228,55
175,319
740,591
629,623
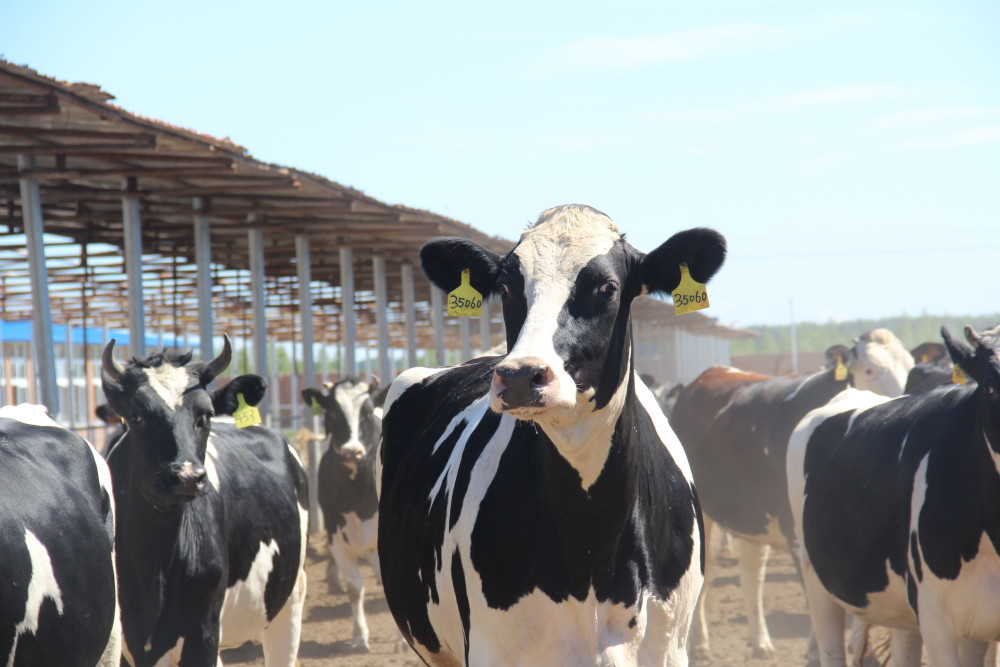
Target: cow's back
x,y
56,538
265,506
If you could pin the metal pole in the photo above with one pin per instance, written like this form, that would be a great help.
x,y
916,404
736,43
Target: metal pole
x,y
303,262
348,339
463,330
132,224
382,318
484,328
409,315
70,399
437,317
203,281
42,344
255,243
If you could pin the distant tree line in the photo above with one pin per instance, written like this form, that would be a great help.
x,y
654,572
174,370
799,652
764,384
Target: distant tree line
x,y
817,337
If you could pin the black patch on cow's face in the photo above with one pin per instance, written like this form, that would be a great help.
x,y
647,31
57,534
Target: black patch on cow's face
x,y
594,336
510,288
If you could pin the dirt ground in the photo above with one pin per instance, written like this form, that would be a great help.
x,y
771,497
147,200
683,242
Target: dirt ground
x,y
327,621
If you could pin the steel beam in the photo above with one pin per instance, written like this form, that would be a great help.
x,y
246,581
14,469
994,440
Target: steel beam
x,y
132,225
382,318
437,317
42,345
409,315
255,242
303,263
348,340
203,280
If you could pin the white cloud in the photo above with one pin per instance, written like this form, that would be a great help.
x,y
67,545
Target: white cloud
x,y
912,117
834,96
970,137
625,53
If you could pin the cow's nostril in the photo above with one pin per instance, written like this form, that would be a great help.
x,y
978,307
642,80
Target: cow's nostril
x,y
542,377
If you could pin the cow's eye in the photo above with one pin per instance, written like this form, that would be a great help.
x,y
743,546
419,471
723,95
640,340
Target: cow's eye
x,y
137,419
204,421
504,291
607,289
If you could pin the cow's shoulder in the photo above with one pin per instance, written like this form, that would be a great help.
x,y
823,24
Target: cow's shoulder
x,y
420,394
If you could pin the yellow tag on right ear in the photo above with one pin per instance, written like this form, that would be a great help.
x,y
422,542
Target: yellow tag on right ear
x,y
317,409
690,295
840,371
958,374
245,415
465,300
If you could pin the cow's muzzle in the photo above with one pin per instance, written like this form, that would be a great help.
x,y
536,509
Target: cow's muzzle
x,y
188,479
522,384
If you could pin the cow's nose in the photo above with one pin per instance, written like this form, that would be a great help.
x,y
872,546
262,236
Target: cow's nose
x,y
190,479
521,384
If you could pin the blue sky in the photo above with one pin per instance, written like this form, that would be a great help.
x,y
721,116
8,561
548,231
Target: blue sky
x,y
849,151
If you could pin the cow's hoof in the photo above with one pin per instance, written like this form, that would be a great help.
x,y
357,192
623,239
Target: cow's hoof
x,y
700,655
400,646
360,646
762,653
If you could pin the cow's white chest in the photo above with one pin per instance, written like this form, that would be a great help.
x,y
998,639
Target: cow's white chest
x,y
244,615
966,606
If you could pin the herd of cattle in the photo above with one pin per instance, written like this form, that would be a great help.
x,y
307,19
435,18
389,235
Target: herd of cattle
x,y
534,507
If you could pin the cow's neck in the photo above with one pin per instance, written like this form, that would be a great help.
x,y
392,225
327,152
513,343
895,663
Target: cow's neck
x,y
585,437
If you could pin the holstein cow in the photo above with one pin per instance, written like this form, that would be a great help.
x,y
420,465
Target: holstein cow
x,y
536,508
933,369
346,488
58,593
212,519
897,510
734,426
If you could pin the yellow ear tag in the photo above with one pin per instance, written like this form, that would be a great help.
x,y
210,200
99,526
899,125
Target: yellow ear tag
x,y
464,300
840,371
690,295
923,359
958,374
245,415
317,409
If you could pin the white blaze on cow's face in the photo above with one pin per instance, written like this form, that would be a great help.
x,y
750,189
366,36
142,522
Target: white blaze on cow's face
x,y
551,256
169,383
351,399
881,363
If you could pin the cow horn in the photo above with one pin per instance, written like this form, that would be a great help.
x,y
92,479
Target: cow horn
x,y
220,363
975,340
111,367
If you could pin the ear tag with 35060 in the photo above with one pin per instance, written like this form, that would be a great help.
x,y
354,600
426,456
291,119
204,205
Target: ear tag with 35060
x,y
465,300
245,415
690,295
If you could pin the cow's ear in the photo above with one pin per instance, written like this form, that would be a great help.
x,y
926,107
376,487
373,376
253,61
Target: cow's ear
x,y
224,400
963,354
838,354
444,259
702,249
310,395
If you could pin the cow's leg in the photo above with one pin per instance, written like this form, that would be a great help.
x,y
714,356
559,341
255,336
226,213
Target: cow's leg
x,y
827,619
753,565
333,574
280,639
991,656
972,652
942,648
906,648
700,650
347,561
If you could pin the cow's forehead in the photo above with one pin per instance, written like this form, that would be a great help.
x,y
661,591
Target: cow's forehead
x,y
564,240
349,394
169,382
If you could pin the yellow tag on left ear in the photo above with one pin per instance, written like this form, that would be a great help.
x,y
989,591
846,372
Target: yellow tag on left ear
x,y
465,300
317,409
840,371
958,374
245,415
690,295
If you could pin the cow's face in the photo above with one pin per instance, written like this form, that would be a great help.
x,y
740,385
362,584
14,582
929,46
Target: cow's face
x,y
567,289
880,363
168,410
348,416
980,360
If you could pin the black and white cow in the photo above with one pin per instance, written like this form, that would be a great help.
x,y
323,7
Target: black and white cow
x,y
897,511
346,488
536,508
212,519
734,426
58,593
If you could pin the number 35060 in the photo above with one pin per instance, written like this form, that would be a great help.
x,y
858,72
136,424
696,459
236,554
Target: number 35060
x,y
685,299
